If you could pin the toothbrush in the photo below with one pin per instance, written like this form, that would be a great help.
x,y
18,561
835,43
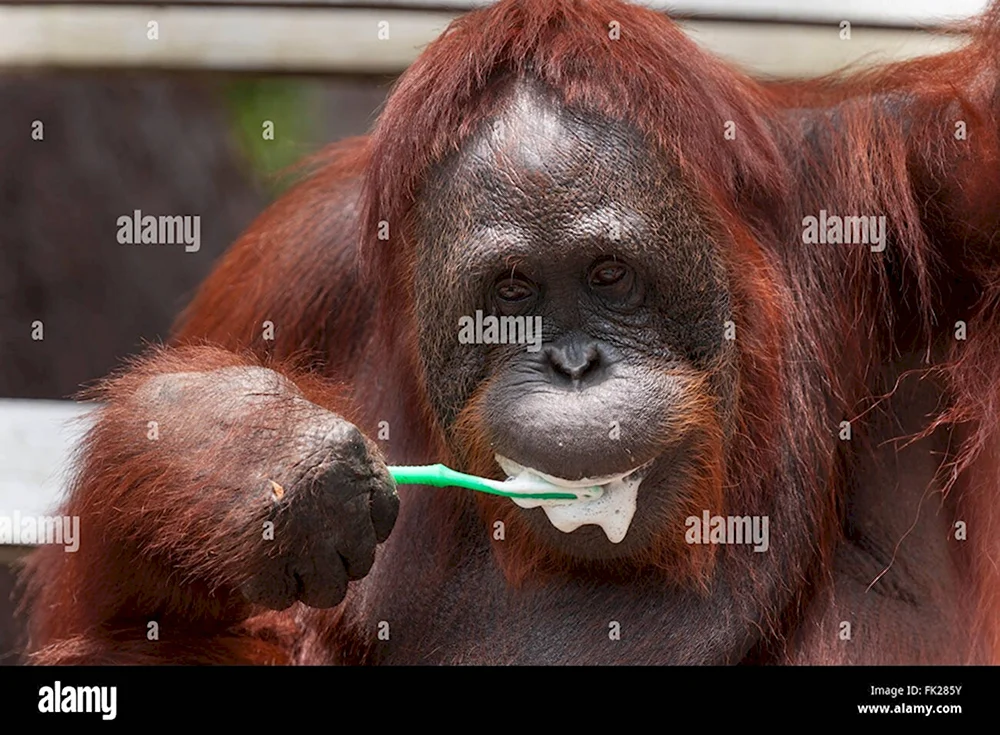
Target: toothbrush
x,y
523,486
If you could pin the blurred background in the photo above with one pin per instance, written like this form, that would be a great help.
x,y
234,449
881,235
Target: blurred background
x,y
111,107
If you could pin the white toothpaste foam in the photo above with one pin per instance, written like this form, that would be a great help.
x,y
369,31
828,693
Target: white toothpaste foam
x,y
612,511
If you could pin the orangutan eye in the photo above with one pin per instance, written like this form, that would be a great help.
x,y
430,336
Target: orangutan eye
x,y
513,290
608,274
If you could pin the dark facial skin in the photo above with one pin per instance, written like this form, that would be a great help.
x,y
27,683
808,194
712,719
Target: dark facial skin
x,y
554,213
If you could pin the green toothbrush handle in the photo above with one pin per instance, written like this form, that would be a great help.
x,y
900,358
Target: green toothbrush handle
x,y
437,475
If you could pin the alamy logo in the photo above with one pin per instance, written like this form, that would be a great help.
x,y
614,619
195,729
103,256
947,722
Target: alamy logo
x,y
163,230
29,530
711,529
838,230
59,698
503,330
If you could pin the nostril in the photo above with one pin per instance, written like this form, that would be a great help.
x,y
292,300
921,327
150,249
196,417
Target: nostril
x,y
574,361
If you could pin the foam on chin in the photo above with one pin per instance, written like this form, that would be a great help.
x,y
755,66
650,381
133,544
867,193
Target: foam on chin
x,y
612,511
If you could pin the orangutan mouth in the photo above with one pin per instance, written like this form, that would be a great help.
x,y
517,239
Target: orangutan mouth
x,y
612,511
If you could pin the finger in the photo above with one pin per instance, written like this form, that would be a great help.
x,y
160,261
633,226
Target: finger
x,y
273,588
320,575
384,509
356,538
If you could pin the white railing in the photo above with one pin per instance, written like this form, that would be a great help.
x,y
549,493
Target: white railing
x,y
37,439
344,37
